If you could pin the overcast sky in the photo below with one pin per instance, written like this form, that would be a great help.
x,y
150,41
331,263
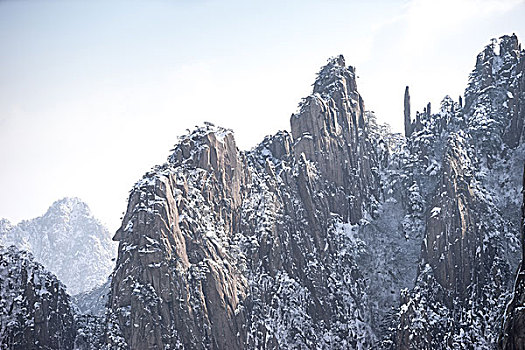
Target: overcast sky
x,y
94,93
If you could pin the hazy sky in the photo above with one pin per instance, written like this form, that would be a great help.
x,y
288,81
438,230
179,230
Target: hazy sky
x,y
94,93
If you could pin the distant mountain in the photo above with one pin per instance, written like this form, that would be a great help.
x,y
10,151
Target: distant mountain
x,y
93,302
68,241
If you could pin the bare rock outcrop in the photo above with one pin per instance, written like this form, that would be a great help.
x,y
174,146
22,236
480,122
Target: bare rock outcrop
x,y
175,283
408,118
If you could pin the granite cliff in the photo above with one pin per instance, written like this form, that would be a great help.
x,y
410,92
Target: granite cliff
x,y
338,234
227,249
467,161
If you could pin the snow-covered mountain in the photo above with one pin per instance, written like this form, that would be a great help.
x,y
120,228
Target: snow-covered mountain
x,y
225,249
467,162
93,302
337,234
68,241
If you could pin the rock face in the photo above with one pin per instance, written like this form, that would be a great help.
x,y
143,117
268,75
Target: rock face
x,y
408,118
466,162
175,283
513,335
338,235
35,309
226,249
68,241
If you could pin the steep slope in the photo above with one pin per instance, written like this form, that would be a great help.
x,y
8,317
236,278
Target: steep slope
x,y
174,279
227,249
35,309
463,161
68,241
513,333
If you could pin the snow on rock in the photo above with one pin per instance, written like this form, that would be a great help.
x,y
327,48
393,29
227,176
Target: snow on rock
x,y
35,310
471,226
227,249
68,241
93,302
336,235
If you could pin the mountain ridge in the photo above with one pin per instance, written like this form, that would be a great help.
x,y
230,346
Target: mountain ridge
x,y
304,209
337,234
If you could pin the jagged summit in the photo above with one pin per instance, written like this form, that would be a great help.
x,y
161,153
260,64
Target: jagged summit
x,y
338,82
505,47
493,111
465,163
335,85
246,237
69,206
200,140
494,95
494,66
333,72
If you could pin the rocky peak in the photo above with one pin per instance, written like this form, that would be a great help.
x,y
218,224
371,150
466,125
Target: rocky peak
x,y
213,149
408,118
500,53
180,220
493,66
335,75
336,83
330,131
283,246
245,236
69,206
493,98
469,243
205,147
